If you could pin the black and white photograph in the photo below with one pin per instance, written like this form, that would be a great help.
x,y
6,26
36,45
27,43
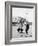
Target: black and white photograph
x,y
21,24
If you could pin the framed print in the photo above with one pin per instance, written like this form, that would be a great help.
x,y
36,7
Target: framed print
x,y
20,22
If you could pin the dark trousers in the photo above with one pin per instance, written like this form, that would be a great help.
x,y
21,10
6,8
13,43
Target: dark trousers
x,y
27,28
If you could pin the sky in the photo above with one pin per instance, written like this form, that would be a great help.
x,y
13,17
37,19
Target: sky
x,y
26,13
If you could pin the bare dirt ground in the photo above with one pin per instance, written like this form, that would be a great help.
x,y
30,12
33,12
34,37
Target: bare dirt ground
x,y
16,34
